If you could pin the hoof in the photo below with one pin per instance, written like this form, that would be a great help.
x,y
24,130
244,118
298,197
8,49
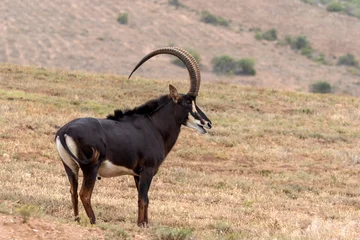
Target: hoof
x,y
77,219
143,225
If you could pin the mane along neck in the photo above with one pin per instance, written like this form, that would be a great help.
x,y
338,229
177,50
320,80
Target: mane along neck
x,y
144,109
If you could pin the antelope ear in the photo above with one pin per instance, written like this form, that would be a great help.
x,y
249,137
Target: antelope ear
x,y
174,93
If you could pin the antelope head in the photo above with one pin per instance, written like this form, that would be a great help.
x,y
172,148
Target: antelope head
x,y
187,112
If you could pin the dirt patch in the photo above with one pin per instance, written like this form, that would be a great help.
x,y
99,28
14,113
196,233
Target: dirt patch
x,y
13,227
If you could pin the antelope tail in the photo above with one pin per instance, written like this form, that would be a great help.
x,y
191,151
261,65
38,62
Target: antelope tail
x,y
72,148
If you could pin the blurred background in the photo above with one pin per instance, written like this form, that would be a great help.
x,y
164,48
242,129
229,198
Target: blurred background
x,y
302,45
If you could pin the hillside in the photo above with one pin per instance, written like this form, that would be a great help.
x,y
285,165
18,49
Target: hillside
x,y
83,35
277,164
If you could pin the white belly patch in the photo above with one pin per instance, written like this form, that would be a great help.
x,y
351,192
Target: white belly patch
x,y
108,169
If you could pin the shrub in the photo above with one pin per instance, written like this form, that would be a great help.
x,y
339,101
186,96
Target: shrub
x,y
307,51
297,43
348,60
247,66
195,54
300,42
308,1
175,3
350,7
320,87
335,7
209,18
353,9
123,18
259,35
320,58
227,65
224,65
270,35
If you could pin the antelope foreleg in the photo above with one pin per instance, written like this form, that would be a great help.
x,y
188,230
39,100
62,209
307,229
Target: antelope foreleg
x,y
143,201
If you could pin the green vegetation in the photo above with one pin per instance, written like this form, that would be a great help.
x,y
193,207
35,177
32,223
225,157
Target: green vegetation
x,y
270,35
301,44
175,3
195,54
123,18
209,18
113,232
335,7
224,65
320,87
298,43
27,211
229,66
348,60
349,7
247,66
167,233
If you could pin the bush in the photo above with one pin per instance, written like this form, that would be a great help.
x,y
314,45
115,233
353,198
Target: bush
x,y
175,3
353,9
348,60
335,7
227,65
196,55
270,35
224,65
299,43
209,18
320,58
320,87
350,7
247,66
307,51
123,18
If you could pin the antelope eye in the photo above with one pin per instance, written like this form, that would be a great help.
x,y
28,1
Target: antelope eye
x,y
188,101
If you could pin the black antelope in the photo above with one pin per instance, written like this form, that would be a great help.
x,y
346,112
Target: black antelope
x,y
134,142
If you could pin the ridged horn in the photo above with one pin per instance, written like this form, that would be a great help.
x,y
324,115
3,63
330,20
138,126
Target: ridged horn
x,y
189,61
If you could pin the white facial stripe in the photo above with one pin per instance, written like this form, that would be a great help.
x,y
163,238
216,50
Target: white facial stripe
x,y
193,107
108,169
66,158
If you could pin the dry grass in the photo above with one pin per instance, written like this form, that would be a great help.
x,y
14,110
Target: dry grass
x,y
277,164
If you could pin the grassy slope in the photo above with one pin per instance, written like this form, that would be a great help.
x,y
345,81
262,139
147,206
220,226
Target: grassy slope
x,y
277,164
83,36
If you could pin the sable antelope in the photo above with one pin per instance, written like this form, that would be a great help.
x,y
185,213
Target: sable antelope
x,y
134,142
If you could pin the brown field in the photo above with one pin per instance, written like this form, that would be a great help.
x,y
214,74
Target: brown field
x,y
84,35
276,165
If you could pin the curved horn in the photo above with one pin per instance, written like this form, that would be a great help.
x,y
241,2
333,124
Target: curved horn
x,y
197,68
186,58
